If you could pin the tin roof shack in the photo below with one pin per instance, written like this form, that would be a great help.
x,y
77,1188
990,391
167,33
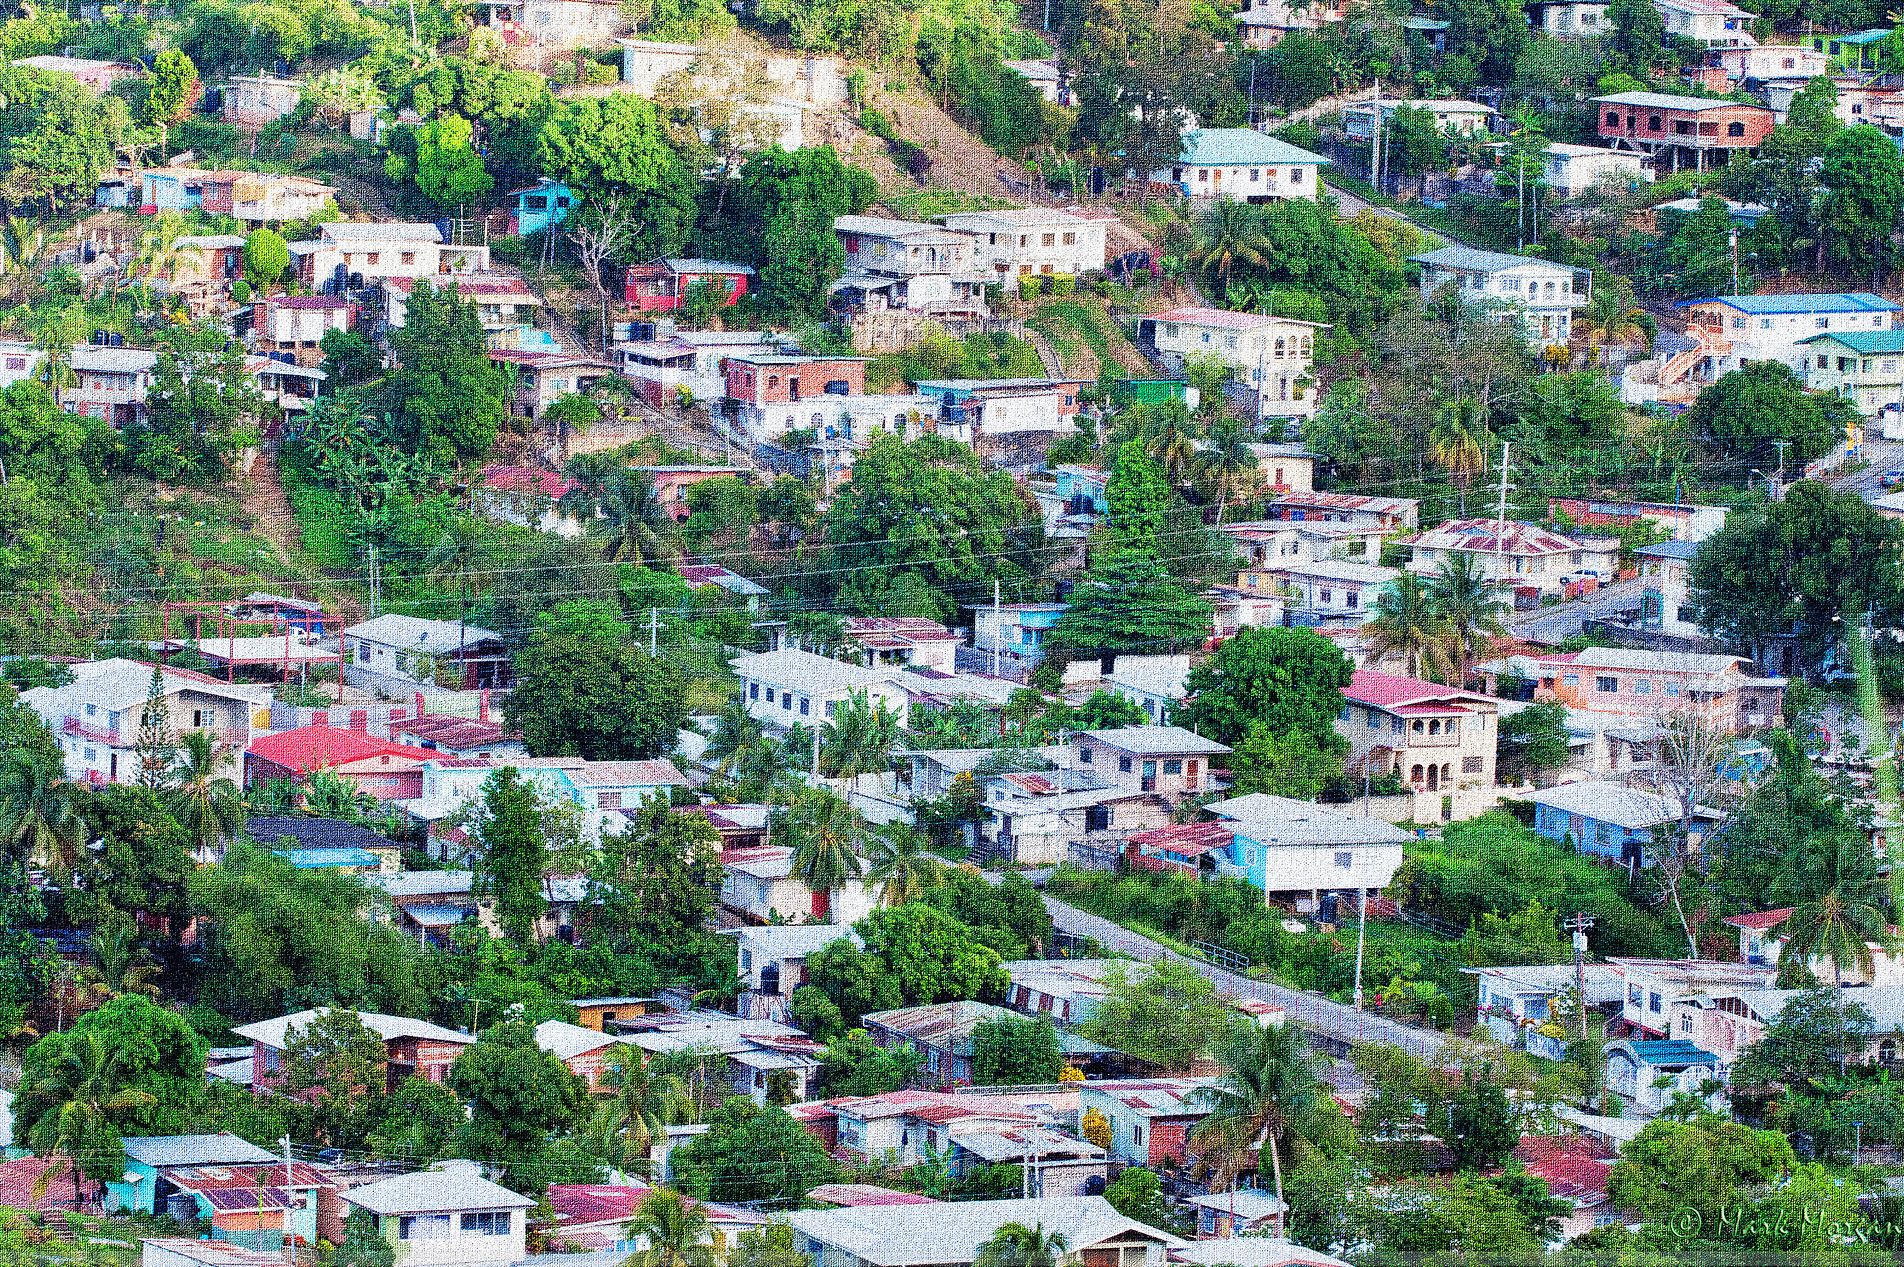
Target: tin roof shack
x,y
951,1234
943,1032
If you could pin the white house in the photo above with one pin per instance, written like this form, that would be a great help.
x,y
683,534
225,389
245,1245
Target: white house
x,y
446,1216
951,1234
1741,328
1542,293
789,686
1648,1074
95,717
1762,942
1033,241
773,962
360,253
1569,19
1713,23
1241,163
1272,356
907,264
758,884
1666,599
1571,170
1264,23
1866,367
1515,554
1515,1002
394,652
1790,62
1301,850
1322,592
1462,118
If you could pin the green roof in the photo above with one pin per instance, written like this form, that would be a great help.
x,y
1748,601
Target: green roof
x,y
1864,342
1236,147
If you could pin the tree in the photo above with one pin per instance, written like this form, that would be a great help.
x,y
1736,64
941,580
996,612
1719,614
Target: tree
x,y
770,1245
1016,1245
267,255
201,390
911,955
1698,253
858,738
1229,464
449,171
1805,1045
1470,605
1137,1193
583,689
1639,35
1842,910
630,521
617,143
824,833
60,137
420,1122
513,853
1015,1051
1531,741
169,87
1164,1013
1266,1094
1406,624
1414,142
209,807
1129,602
447,398
1138,497
148,1052
1700,1165
39,823
1863,176
752,1153
1802,565
1229,235
803,258
336,1064
363,1244
1739,416
1483,1124
81,1099
1284,679
654,883
853,1064
898,861
518,1095
673,1232
1291,765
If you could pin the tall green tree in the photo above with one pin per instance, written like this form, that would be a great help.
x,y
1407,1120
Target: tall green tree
x,y
1264,1098
824,833
148,1051
447,399
519,1098
82,1099
1016,1051
1016,1245
202,391
654,883
1470,605
514,852
449,171
1406,624
1129,601
1841,912
751,1153
39,820
673,1231
859,738
336,1064
584,689
1164,1013
1863,177
1284,679
1138,497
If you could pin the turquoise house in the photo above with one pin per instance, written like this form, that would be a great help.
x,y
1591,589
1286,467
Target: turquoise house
x,y
542,205
1082,489
248,1195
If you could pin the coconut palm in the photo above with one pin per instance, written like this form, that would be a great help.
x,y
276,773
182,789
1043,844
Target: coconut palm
x,y
1173,444
859,738
1612,317
735,730
674,1231
83,1102
1470,604
55,331
458,550
1406,624
208,807
1843,910
39,822
634,525
1228,463
1458,442
23,247
1229,237
124,966
898,861
1267,1094
1016,1245
824,833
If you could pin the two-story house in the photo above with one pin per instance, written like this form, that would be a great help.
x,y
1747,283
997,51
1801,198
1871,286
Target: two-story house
x,y
1713,23
1166,760
978,410
1265,23
1321,593
1515,554
1666,596
1360,510
1865,367
1273,543
1241,163
1033,241
1293,851
502,303
1539,293
1682,131
375,767
758,885
1762,942
398,653
605,791
1438,740
95,717
922,268
1033,817
1521,1004
773,962
1652,986
1636,682
1014,629
1734,329
412,1048
1150,1118
1272,356
789,686
294,325
1361,119
347,255
446,1216
771,394
108,381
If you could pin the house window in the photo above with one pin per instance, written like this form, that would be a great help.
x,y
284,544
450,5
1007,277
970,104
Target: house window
x,y
803,706
830,704
1344,859
423,1227
1633,995
1084,756
770,695
1606,685
753,690
609,800
1173,767
408,257
1124,765
1652,1001
487,1223
1642,687
1735,129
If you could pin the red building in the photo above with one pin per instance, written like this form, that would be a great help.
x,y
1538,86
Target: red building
x,y
377,767
1681,131
779,380
662,285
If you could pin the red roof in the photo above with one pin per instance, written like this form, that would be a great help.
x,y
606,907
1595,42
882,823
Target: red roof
x,y
453,732
311,747
526,479
1186,838
1571,1167
595,1202
19,1178
853,1195
320,302
1761,920
1389,690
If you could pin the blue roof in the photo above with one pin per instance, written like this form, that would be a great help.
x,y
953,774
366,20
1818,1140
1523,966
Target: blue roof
x,y
437,914
1233,147
1776,305
1670,1051
312,859
1670,550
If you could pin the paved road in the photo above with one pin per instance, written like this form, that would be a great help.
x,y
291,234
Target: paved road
x,y
1882,455
1325,1018
1550,625
1349,204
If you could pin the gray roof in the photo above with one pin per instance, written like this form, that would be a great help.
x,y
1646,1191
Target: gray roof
x,y
1669,550
790,941
952,1232
421,883
1252,1251
1640,658
1248,1203
354,230
1473,260
1604,983
416,633
814,674
1608,802
223,1149
447,1186
277,1031
1281,820
565,1041
123,684
1665,101
1158,740
121,360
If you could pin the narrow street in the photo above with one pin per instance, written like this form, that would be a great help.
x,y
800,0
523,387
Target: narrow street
x,y
1350,204
1336,1024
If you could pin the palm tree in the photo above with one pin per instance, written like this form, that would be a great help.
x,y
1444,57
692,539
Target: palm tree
x,y
125,966
39,821
1459,440
1471,605
589,475
735,730
1173,445
1229,236
208,807
1406,624
1229,463
1612,317
858,739
1015,1245
23,247
84,1103
1267,1093
456,554
898,861
55,331
634,525
1843,910
674,1230
824,833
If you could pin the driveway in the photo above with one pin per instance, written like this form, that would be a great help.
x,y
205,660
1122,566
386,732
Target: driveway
x,y
1351,204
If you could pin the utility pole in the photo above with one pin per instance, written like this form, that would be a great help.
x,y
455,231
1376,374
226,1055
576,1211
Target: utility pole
x,y
998,630
1578,926
1361,932
1733,238
1781,444
654,629
1500,509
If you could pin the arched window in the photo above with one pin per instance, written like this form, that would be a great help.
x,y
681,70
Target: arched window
x,y
1735,129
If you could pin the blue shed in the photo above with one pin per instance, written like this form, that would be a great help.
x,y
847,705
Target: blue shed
x,y
542,205
1610,820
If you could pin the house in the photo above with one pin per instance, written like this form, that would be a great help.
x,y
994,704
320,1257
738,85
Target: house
x,y
539,207
1015,629
1297,850
295,325
992,408
1155,683
348,255
671,484
1167,760
375,767
1635,682
705,575
943,1034
1539,293
1271,356
288,386
1043,74
95,717
1033,241
1324,593
428,905
908,264
1286,468
1438,740
526,496
41,1185
1522,1005
758,884
251,101
1848,49
771,394
1681,521
109,382
763,1057
1035,817
502,303
788,686
1274,543
1572,170
1681,131
1713,23
773,962
19,361
1772,62
1761,943
695,361
91,72
552,24
1066,990
964,1131
1249,1212
1569,19
1610,820
263,1206
1386,514
544,377
396,653
1241,163
253,198
1251,1251
601,1014
1866,367
664,285
1654,987
950,1234
1575,1169
147,1188
585,1052
309,840
1150,1118
1647,1074
1515,554
1734,329
459,736
446,1216
412,1048
1265,23
178,1251
902,641
591,1219
605,791
1361,119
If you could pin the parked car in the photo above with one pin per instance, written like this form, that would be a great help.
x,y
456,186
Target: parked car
x,y
1891,478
